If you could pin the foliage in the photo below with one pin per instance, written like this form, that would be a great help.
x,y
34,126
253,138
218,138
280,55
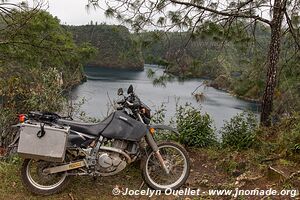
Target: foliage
x,y
158,117
239,132
203,55
289,139
281,141
39,62
195,129
6,118
116,48
228,165
236,65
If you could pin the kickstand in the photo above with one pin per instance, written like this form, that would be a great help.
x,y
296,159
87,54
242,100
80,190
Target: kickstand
x,y
143,183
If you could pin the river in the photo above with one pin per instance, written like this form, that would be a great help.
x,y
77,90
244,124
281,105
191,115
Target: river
x,y
102,84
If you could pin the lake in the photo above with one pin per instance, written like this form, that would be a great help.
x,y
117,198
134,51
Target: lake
x,y
103,83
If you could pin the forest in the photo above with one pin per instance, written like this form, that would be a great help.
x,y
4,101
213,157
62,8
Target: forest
x,y
116,48
234,62
40,62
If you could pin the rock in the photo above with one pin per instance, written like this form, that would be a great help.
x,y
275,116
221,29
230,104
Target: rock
x,y
248,176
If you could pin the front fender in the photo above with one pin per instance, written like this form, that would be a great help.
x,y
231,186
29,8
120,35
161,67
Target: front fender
x,y
164,127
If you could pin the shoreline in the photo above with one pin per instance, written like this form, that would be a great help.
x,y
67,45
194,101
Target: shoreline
x,y
135,69
210,82
252,100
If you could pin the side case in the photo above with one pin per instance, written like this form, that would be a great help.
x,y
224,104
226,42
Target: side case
x,y
50,147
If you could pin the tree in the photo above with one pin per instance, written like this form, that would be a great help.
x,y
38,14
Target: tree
x,y
39,62
193,15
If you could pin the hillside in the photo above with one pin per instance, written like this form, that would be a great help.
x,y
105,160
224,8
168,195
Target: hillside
x,y
116,49
205,54
234,62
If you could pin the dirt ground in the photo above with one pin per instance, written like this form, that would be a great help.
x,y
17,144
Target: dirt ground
x,y
211,169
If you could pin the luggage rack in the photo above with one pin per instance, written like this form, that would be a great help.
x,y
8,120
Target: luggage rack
x,y
45,117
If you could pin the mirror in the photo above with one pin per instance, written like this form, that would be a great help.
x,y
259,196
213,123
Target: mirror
x,y
130,89
120,91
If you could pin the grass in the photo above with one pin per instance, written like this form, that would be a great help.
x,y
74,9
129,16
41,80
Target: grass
x,y
212,168
80,187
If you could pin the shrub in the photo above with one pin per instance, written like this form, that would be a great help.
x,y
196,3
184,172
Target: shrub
x,y
289,138
159,114
239,132
195,129
7,117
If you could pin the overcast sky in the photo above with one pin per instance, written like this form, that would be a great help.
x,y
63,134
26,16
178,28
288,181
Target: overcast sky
x,y
73,12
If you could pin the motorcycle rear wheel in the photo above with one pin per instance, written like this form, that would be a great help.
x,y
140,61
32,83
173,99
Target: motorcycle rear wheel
x,y
177,161
39,183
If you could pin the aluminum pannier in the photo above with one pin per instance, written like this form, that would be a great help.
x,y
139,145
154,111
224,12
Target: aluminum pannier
x,y
43,142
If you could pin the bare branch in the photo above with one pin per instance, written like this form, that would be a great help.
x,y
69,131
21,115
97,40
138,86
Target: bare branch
x,y
292,29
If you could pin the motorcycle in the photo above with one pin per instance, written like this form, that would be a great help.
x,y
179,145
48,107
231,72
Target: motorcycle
x,y
106,148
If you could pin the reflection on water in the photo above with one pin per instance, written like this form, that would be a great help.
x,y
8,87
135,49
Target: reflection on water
x,y
103,83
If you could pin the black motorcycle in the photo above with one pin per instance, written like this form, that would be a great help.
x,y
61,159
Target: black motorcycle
x,y
106,148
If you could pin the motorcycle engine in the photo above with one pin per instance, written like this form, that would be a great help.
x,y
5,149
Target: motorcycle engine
x,y
110,161
119,144
128,147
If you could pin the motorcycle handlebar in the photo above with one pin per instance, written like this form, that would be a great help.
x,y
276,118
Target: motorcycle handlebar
x,y
121,101
133,105
132,101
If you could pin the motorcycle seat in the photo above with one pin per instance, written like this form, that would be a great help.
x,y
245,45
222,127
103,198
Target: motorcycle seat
x,y
93,129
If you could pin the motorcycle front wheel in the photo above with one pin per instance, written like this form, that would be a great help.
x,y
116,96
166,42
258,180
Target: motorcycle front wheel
x,y
177,162
37,182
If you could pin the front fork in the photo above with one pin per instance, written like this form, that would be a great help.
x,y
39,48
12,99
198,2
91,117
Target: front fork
x,y
155,149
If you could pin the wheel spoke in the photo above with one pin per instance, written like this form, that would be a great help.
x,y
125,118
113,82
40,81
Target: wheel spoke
x,y
175,161
41,180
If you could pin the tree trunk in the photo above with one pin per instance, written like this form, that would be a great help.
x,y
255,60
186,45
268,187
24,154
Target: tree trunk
x,y
273,59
